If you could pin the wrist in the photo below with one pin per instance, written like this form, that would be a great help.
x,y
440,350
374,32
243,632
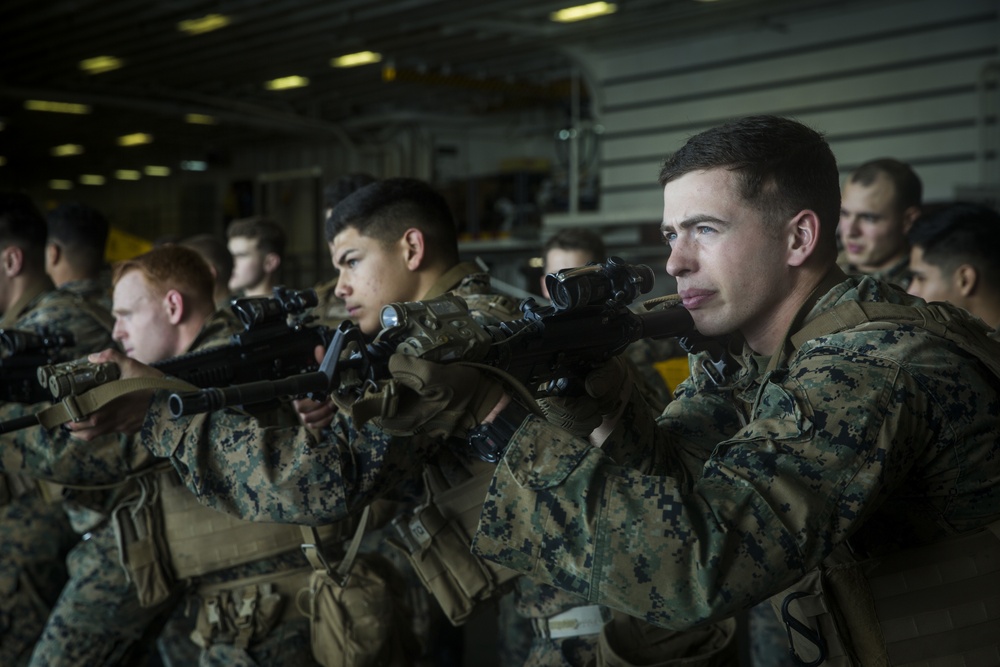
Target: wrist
x,y
489,440
497,409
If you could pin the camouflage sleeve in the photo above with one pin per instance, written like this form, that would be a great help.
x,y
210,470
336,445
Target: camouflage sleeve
x,y
767,505
285,474
61,313
55,455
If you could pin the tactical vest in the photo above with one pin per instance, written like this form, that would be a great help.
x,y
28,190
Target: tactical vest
x,y
437,539
936,604
166,536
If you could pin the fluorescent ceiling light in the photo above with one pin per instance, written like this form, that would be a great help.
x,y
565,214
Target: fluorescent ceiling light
x,y
136,139
286,82
200,119
582,12
57,107
92,179
60,184
128,175
100,64
205,24
67,149
155,170
194,165
355,59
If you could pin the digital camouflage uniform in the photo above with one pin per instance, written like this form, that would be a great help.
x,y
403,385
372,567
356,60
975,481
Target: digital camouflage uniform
x,y
34,531
93,290
234,465
858,435
98,619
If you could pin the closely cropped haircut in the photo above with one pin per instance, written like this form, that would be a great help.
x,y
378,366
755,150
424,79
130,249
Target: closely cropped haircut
x,y
583,240
961,233
214,251
338,190
172,267
782,167
22,224
82,231
269,234
906,185
385,209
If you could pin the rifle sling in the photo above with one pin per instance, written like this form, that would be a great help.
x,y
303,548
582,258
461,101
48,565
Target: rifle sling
x,y
75,408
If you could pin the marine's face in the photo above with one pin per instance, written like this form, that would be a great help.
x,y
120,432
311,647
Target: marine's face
x,y
730,267
872,229
142,324
557,259
371,275
248,263
930,283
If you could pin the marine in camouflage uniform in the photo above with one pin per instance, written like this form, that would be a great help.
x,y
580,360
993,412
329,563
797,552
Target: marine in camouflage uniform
x,y
873,418
98,619
35,530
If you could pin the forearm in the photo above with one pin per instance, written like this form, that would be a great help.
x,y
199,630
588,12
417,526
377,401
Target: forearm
x,y
285,474
55,455
622,539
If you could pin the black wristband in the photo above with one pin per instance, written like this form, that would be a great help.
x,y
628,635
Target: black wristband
x,y
489,440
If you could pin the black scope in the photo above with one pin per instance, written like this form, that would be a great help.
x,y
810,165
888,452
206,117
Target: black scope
x,y
15,341
596,284
261,310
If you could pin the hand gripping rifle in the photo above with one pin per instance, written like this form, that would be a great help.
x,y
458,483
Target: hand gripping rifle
x,y
588,322
276,341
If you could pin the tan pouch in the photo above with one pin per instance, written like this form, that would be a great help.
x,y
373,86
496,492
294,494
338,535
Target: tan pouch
x,y
138,529
358,611
245,611
627,641
361,622
437,539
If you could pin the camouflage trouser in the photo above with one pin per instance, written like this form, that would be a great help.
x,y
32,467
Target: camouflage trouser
x,y
568,652
97,619
286,646
514,633
768,638
34,538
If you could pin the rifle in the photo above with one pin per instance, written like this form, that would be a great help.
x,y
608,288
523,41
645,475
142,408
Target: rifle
x,y
21,353
277,340
588,322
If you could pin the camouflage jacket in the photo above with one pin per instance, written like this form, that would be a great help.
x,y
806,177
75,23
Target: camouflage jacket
x,y
93,290
883,434
898,274
46,308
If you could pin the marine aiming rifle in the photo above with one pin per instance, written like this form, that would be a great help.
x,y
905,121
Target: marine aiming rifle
x,y
587,323
277,340
21,354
